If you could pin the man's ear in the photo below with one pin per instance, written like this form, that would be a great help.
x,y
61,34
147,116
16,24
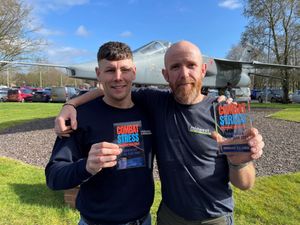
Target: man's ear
x,y
203,69
97,70
165,74
134,72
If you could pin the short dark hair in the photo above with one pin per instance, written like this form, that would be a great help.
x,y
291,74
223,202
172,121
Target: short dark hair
x,y
113,51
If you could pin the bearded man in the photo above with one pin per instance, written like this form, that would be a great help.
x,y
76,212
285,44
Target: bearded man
x,y
195,178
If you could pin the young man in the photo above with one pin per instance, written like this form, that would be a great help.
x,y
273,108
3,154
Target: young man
x,y
194,176
109,155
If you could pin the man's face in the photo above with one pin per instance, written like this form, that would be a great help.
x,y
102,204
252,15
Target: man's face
x,y
184,72
116,78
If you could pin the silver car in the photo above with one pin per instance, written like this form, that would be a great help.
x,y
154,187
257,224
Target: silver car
x,y
3,95
296,96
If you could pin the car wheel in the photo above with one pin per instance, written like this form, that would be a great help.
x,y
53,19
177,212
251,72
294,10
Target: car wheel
x,y
260,100
273,100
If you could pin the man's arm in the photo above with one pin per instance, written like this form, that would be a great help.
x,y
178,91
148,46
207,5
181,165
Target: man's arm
x,y
241,166
66,167
242,178
68,111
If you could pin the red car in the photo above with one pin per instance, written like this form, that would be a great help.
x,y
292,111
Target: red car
x,y
19,95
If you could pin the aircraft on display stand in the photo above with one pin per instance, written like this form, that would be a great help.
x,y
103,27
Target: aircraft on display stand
x,y
149,61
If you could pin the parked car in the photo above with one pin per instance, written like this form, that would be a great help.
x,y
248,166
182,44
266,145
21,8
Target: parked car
x,y
62,94
296,96
241,94
3,95
272,95
80,92
41,96
212,92
254,93
19,95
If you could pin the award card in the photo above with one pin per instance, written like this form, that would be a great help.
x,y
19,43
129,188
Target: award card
x,y
128,136
232,121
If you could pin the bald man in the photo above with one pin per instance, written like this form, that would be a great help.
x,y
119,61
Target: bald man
x,y
195,178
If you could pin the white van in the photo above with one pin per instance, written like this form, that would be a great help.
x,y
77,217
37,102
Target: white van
x,y
62,94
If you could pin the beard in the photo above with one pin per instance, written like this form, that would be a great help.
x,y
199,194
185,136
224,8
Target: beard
x,y
187,91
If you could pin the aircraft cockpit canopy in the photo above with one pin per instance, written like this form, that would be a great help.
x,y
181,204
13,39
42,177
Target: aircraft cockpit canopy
x,y
154,47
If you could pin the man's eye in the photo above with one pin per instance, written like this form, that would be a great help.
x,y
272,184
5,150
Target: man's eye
x,y
174,67
126,70
109,70
191,66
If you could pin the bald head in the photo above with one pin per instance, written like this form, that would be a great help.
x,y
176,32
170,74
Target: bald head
x,y
184,71
180,48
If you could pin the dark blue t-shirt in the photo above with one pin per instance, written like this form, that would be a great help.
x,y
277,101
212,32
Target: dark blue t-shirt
x,y
111,196
194,177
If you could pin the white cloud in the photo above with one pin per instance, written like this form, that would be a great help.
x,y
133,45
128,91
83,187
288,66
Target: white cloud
x,y
82,31
67,55
43,6
126,34
48,32
230,4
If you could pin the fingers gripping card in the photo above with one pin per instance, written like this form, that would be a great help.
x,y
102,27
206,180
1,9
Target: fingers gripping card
x,y
232,121
128,136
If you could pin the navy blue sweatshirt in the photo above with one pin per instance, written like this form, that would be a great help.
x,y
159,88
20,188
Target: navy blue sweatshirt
x,y
111,196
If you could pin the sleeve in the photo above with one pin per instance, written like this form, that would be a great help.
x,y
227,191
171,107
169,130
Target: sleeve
x,y
67,166
148,98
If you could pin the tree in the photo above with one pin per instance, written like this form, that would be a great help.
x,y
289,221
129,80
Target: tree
x,y
274,26
17,38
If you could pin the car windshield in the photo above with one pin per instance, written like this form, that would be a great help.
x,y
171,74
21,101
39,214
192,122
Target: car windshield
x,y
13,92
26,91
277,92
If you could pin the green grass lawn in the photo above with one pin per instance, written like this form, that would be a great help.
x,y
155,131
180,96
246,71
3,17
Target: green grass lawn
x,y
290,112
12,113
25,199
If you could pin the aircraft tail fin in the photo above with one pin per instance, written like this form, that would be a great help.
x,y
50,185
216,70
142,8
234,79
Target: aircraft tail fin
x,y
247,53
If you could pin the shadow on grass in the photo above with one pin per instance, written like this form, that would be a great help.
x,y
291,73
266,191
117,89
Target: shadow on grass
x,y
38,194
16,126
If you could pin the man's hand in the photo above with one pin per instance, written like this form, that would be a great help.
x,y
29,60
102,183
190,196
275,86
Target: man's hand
x,y
223,98
102,155
67,113
255,142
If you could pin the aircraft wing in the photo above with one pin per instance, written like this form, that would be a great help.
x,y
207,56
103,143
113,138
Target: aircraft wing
x,y
149,60
68,68
252,64
274,66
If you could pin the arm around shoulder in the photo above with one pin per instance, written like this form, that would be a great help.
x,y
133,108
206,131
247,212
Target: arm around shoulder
x,y
90,95
68,112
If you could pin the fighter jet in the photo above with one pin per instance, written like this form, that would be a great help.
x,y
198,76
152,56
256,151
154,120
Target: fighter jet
x,y
149,60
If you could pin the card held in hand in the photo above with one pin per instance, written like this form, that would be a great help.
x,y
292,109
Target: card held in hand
x,y
232,121
128,136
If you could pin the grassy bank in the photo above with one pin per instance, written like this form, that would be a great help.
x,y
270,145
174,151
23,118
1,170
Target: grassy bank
x,y
25,199
12,114
289,112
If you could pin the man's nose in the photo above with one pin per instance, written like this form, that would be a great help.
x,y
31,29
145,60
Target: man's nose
x,y
118,75
183,72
